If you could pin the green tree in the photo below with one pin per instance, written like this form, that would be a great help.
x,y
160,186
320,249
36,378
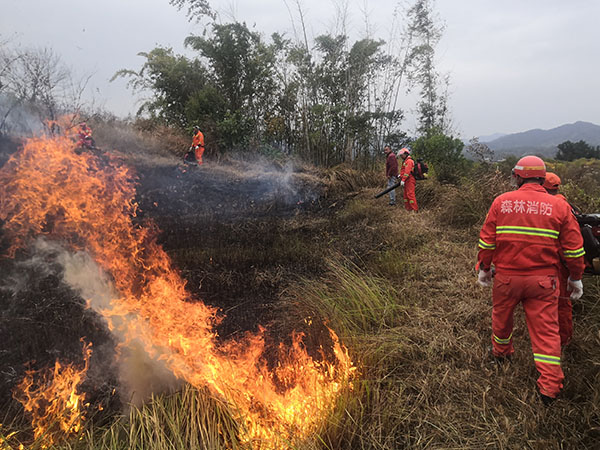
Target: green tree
x,y
425,34
243,69
444,153
172,81
338,116
570,151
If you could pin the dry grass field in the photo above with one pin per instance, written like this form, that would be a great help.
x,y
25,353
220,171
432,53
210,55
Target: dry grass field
x,y
290,247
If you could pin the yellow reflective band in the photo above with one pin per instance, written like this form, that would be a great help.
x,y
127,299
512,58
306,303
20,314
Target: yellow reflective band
x,y
530,168
574,253
502,341
548,359
484,245
529,231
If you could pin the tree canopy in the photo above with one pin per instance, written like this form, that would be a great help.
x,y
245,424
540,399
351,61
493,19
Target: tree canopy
x,y
330,102
570,151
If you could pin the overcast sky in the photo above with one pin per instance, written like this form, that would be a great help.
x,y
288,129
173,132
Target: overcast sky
x,y
514,65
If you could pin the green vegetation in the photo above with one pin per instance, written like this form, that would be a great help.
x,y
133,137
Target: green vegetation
x,y
329,101
444,153
570,151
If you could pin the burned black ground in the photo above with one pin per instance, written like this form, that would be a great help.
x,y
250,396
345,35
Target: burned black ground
x,y
237,238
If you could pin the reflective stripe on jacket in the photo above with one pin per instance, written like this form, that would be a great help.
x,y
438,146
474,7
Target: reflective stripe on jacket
x,y
526,231
407,169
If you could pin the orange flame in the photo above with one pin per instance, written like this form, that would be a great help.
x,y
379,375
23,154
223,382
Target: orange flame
x,y
88,203
50,397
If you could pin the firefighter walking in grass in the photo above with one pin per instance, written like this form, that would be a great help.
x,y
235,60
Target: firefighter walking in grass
x,y
524,234
408,180
565,307
198,145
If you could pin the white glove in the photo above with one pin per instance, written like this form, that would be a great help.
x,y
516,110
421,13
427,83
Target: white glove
x,y
484,278
576,288
402,183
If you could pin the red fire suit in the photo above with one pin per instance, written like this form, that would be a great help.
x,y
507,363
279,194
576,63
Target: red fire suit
x,y
85,133
565,307
523,234
198,146
406,175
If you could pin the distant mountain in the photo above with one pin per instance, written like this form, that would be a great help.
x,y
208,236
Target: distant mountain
x,y
544,142
491,137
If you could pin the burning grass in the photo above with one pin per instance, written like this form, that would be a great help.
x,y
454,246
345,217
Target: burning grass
x,y
398,288
87,204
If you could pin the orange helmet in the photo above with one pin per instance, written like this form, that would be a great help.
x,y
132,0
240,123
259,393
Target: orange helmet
x,y
530,167
404,150
552,181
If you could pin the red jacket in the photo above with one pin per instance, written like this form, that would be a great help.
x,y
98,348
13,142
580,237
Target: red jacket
x,y
198,139
407,169
526,231
391,165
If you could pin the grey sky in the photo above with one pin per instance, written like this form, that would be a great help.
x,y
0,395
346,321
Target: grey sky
x,y
514,65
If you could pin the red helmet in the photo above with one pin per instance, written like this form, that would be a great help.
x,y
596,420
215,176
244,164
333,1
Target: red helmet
x,y
404,150
552,181
530,167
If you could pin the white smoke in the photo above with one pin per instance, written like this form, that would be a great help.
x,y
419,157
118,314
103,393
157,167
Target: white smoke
x,y
140,375
18,119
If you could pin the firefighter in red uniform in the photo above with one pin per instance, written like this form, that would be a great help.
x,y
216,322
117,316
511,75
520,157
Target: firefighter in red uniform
x,y
198,145
565,307
85,135
522,235
408,180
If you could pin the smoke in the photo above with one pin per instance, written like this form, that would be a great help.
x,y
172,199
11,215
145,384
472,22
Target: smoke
x,y
227,192
140,375
17,119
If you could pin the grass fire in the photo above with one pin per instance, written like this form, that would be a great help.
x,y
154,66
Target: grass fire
x,y
86,204
303,234
259,305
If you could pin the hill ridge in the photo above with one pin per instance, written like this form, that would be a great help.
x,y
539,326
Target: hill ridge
x,y
545,142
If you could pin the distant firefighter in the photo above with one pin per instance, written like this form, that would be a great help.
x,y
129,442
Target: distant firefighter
x,y
525,235
198,145
85,136
408,180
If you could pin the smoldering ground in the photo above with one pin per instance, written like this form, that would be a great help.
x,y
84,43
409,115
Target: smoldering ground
x,y
227,229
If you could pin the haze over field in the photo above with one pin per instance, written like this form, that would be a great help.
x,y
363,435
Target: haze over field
x,y
513,66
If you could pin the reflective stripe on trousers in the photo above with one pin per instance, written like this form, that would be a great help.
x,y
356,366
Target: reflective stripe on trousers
x,y
539,296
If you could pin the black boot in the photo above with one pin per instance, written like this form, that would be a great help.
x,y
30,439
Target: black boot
x,y
547,401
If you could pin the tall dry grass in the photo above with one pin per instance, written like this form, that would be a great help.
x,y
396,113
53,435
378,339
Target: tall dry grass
x,y
427,377
401,291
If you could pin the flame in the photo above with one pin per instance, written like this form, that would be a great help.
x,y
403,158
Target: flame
x,y
50,397
87,202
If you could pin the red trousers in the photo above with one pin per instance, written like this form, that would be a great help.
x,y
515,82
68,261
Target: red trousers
x,y
198,152
410,199
565,309
539,296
